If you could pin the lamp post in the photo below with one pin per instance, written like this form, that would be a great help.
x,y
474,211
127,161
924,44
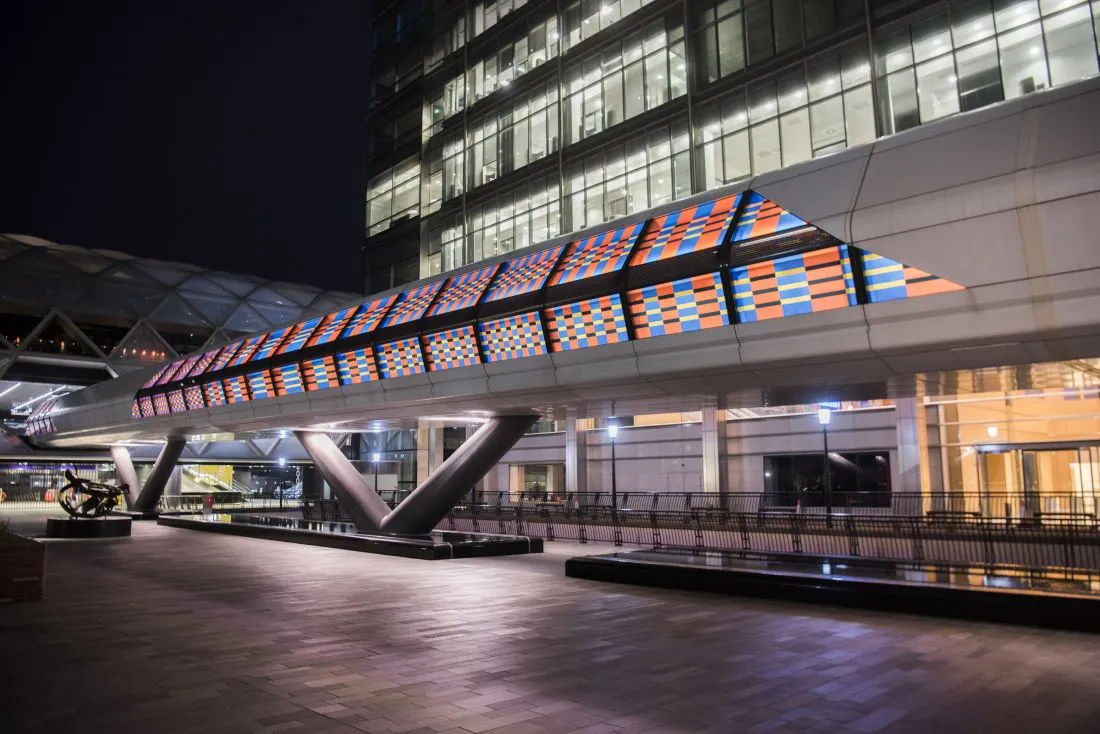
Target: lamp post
x,y
613,433
374,459
824,415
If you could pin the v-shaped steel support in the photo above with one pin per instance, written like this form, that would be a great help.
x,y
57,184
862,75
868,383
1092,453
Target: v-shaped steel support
x,y
361,502
144,499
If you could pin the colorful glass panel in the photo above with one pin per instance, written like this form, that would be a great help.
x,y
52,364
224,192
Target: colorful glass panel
x,y
225,355
135,410
793,284
203,363
451,348
299,335
175,401
356,366
247,350
146,404
367,316
215,393
890,280
320,373
764,217
400,358
684,305
260,385
586,324
599,254
160,404
463,291
524,274
236,389
271,345
694,229
330,327
413,304
288,379
168,374
513,337
192,395
157,375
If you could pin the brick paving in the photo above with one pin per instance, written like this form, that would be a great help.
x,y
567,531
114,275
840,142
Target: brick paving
x,y
177,631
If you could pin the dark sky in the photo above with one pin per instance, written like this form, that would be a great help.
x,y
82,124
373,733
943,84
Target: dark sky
x,y
225,133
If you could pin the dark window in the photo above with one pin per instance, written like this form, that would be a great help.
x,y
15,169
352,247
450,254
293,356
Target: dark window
x,y
857,479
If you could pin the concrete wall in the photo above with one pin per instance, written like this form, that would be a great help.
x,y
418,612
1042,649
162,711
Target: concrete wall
x,y
669,458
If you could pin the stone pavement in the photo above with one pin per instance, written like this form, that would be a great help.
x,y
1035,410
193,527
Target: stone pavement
x,y
178,631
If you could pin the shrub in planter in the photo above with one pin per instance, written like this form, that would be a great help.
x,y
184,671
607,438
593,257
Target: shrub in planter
x,y
22,567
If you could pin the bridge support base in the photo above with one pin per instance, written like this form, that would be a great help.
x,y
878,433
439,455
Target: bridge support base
x,y
422,510
361,502
144,499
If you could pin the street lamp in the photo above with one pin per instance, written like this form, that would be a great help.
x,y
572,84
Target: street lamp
x,y
375,458
613,433
824,415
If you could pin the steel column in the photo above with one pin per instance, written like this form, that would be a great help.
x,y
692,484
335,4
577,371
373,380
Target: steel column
x,y
433,499
363,505
154,486
127,474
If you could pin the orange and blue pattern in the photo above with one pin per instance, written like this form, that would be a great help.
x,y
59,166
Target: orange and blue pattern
x,y
413,304
203,363
192,395
689,230
524,274
135,410
889,280
599,254
299,335
156,376
400,358
175,401
160,404
684,305
236,389
247,350
271,344
260,385
215,394
146,404
330,327
763,217
225,355
585,324
513,337
356,366
320,373
463,291
451,348
288,379
793,284
368,316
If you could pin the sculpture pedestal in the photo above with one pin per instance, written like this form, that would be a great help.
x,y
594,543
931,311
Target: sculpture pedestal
x,y
102,527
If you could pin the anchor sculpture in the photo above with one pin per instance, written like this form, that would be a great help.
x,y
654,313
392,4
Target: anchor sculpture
x,y
83,498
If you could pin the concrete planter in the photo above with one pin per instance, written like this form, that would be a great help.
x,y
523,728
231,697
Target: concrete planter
x,y
22,568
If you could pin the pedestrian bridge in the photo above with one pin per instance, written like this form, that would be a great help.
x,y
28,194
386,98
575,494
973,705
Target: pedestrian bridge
x,y
967,243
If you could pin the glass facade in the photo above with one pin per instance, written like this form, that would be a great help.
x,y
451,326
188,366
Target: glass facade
x,y
563,116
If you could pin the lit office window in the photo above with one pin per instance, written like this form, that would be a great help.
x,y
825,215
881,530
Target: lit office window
x,y
980,52
393,195
646,171
625,79
514,60
444,242
488,14
446,40
586,18
444,172
517,133
819,108
523,215
450,100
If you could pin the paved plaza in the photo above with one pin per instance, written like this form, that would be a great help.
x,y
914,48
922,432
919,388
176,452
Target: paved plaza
x,y
178,631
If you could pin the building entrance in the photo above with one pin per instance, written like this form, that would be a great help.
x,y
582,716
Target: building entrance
x,y
1052,479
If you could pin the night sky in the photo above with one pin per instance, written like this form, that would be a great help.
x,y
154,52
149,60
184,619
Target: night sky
x,y
225,133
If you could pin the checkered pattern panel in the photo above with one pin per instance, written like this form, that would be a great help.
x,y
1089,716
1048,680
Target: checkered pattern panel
x,y
320,373
764,217
513,337
330,327
146,404
260,385
271,344
224,356
400,358
451,348
192,395
175,401
586,324
157,375
166,376
288,379
524,274
792,285
247,350
599,254
298,336
463,291
203,363
236,389
356,367
135,410
413,304
689,230
160,404
215,394
184,369
690,304
889,280
368,316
